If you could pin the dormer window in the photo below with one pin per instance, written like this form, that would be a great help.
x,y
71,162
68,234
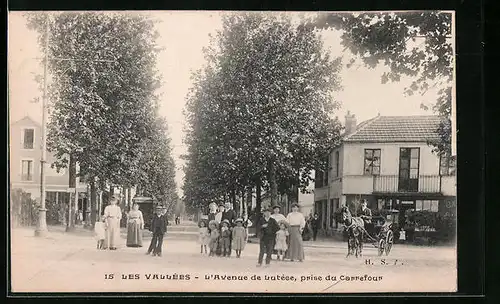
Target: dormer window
x,y
28,139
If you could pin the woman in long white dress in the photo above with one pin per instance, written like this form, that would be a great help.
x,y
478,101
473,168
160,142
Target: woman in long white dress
x,y
296,222
113,215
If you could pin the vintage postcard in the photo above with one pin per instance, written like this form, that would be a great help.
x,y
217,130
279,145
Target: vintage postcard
x,y
225,151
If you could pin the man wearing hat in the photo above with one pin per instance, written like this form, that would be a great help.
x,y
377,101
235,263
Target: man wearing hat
x,y
158,228
268,228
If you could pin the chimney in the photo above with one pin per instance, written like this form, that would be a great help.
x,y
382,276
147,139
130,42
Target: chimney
x,y
350,123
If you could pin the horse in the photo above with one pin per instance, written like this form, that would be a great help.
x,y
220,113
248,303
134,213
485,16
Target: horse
x,y
355,229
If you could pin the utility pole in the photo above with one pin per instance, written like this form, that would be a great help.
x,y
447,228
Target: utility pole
x,y
41,229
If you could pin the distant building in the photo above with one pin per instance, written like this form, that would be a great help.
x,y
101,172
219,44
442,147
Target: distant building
x,y
25,156
387,161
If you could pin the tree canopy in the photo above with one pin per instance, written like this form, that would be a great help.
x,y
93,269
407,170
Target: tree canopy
x,y
104,104
261,110
416,44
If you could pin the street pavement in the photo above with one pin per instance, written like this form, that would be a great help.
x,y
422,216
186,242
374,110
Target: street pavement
x,y
69,262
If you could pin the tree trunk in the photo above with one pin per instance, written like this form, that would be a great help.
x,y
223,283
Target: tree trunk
x,y
258,206
93,203
129,197
249,200
241,203
233,201
72,209
272,183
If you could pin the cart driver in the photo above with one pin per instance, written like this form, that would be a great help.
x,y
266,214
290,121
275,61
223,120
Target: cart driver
x,y
366,216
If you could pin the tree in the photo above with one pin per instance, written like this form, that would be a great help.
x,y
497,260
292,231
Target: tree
x,y
260,112
101,111
157,167
416,44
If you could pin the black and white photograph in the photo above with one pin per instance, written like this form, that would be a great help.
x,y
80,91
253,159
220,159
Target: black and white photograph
x,y
232,151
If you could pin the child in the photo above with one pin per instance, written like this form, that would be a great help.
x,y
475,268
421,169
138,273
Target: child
x,y
214,237
225,237
100,232
239,237
281,235
203,237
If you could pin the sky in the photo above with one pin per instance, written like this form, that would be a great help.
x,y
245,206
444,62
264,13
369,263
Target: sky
x,y
183,34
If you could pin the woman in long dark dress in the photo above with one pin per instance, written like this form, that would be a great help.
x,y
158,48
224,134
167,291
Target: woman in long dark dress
x,y
135,224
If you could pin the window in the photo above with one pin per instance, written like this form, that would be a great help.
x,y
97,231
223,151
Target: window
x,y
372,161
318,179
428,205
337,164
447,165
28,138
27,170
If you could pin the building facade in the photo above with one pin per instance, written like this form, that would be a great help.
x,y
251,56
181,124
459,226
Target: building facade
x,y
25,156
388,162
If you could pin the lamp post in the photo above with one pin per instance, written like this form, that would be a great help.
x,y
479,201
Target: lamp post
x,y
41,229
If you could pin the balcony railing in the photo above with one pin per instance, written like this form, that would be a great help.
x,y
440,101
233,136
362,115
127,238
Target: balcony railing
x,y
417,184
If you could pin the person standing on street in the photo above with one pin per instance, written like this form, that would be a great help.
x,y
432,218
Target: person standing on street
x,y
230,215
297,223
278,217
315,225
135,224
113,215
268,229
158,228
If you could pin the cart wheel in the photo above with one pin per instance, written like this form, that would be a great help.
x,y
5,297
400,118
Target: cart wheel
x,y
381,247
389,242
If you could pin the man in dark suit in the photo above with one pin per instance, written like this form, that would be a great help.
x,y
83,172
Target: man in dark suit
x,y
158,228
366,216
315,226
230,215
268,228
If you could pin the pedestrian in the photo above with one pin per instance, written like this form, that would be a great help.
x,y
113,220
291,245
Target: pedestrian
x,y
225,238
218,219
315,225
100,232
203,236
214,237
281,237
268,228
158,228
135,225
297,224
230,215
113,215
239,237
278,217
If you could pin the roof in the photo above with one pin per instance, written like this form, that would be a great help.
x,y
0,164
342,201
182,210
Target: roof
x,y
396,129
26,120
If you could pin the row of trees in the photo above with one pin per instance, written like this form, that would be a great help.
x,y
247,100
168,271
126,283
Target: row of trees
x,y
104,115
260,112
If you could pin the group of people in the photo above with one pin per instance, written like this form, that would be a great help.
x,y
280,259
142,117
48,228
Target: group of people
x,y
107,229
223,232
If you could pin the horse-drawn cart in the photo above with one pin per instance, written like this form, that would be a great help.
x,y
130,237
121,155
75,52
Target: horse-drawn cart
x,y
384,233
